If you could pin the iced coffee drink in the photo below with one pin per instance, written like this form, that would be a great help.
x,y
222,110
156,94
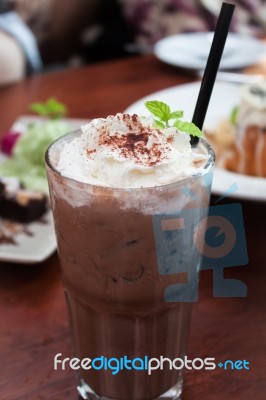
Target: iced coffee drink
x,y
127,199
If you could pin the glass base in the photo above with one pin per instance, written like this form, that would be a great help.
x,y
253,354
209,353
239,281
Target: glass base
x,y
172,394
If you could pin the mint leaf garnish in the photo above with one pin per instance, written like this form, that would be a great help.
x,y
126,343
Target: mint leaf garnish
x,y
188,127
51,108
177,114
39,108
159,109
163,115
158,124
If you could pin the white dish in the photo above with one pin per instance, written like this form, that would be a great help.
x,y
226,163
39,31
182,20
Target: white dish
x,y
190,50
21,123
33,248
41,243
224,98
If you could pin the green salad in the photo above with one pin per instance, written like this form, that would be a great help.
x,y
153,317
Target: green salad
x,y
27,159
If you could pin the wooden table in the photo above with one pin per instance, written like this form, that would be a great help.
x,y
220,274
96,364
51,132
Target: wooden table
x,y
32,308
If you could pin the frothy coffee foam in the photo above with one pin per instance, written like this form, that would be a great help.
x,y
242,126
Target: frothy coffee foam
x,y
126,151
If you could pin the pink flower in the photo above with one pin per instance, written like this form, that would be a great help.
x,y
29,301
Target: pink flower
x,y
8,142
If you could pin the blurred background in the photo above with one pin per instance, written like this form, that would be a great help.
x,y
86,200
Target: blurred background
x,y
43,35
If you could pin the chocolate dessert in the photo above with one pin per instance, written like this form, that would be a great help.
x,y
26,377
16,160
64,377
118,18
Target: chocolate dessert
x,y
23,206
2,190
19,204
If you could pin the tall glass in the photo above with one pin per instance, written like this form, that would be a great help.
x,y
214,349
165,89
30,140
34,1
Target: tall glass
x,y
130,272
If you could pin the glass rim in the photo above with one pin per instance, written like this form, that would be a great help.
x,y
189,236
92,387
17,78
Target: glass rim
x,y
209,165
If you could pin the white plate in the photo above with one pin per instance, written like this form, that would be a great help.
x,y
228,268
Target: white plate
x,y
224,98
190,50
34,248
42,242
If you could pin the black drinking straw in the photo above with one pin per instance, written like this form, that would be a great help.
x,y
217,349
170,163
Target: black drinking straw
x,y
212,67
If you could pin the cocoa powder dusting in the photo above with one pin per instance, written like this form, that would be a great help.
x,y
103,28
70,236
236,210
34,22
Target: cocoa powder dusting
x,y
170,139
90,152
134,144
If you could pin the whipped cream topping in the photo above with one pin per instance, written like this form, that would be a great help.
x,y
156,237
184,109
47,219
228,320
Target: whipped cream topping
x,y
126,151
252,107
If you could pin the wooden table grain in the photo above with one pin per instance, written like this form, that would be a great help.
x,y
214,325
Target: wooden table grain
x,y
33,319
